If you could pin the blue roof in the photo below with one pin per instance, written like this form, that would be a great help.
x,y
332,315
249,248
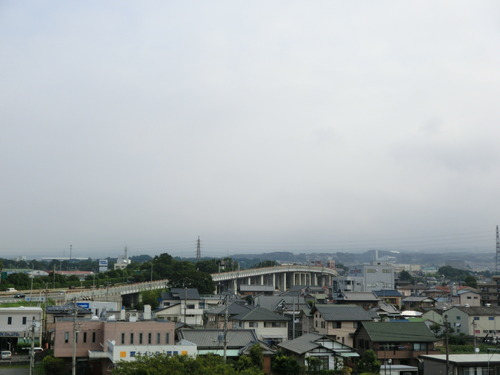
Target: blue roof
x,y
387,293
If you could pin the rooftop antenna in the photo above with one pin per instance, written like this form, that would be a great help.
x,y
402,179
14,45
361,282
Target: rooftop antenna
x,y
198,248
498,253
70,251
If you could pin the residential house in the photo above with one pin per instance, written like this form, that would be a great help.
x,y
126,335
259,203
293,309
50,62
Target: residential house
x,y
418,302
461,364
331,353
390,296
270,327
401,342
287,305
367,300
253,290
339,322
466,297
475,321
238,342
216,317
181,305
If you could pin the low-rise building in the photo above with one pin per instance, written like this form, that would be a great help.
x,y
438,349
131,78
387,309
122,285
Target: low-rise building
x,y
401,342
331,354
339,322
18,325
97,342
270,327
475,321
181,305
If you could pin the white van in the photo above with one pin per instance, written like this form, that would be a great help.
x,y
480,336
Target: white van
x,y
11,290
5,354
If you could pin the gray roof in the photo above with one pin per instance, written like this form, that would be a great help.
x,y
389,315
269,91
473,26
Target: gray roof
x,y
311,341
479,310
359,296
181,293
210,338
259,314
465,358
67,308
344,313
233,309
256,288
274,303
302,344
417,299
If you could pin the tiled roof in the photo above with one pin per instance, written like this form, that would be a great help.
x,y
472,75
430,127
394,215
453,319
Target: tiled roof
x,y
259,314
395,332
479,310
359,296
344,313
387,293
212,338
181,293
233,309
274,303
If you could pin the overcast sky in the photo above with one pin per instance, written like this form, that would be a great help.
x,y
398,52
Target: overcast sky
x,y
256,125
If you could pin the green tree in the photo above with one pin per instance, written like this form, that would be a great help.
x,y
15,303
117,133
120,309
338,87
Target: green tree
x,y
162,364
257,356
282,364
406,276
369,363
151,297
470,281
266,263
54,366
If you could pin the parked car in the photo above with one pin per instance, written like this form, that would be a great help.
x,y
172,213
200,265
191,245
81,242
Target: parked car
x,y
5,354
19,295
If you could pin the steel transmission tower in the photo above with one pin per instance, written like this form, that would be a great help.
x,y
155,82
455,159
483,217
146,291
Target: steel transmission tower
x,y
198,247
498,253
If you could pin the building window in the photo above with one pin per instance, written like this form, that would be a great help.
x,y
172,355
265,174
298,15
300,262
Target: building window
x,y
167,338
476,318
93,336
149,338
66,337
140,338
25,319
323,324
132,338
158,338
336,324
76,336
491,318
9,320
84,336
253,324
458,318
123,339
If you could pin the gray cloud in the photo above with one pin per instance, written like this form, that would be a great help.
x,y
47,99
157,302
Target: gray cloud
x,y
286,125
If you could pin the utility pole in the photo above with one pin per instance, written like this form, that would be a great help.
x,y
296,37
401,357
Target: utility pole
x,y
73,359
474,335
497,253
32,350
185,304
226,318
446,334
